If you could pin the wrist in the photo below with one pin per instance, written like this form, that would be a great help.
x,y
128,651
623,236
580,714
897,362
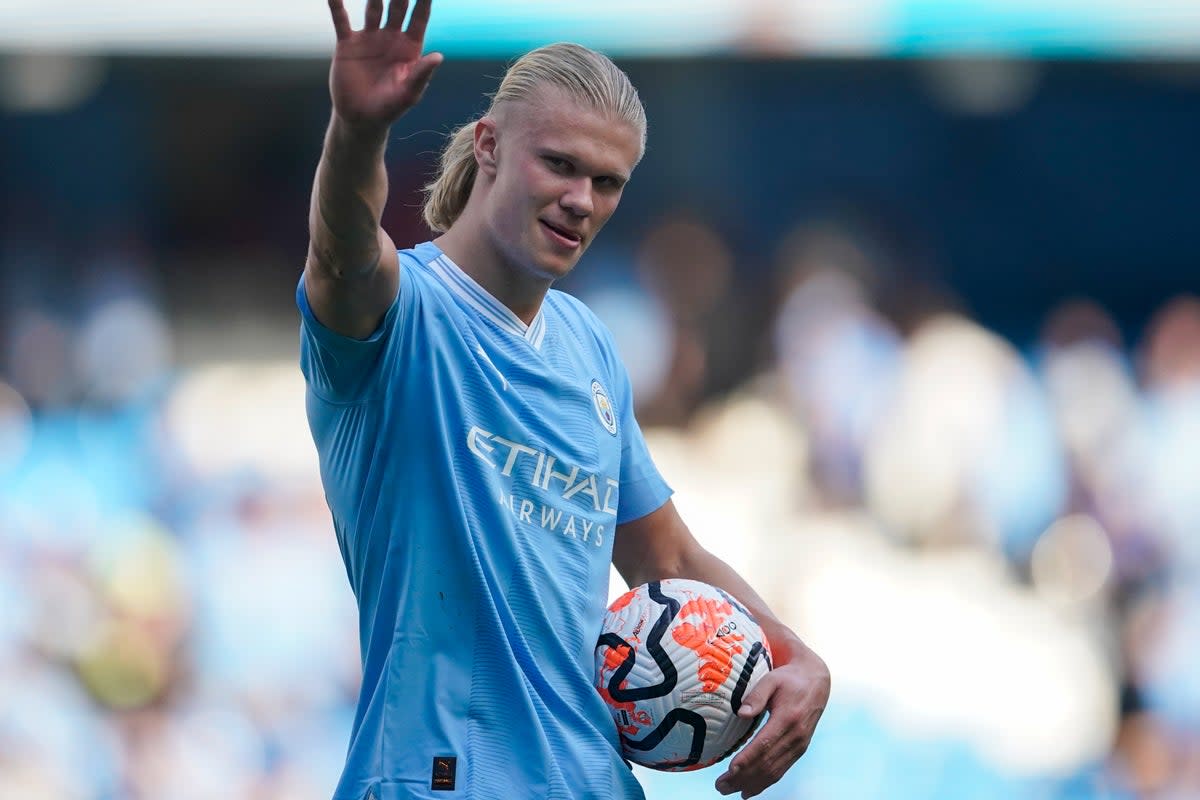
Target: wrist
x,y
358,133
787,648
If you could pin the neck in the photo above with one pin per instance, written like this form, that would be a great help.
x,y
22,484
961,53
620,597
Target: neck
x,y
512,284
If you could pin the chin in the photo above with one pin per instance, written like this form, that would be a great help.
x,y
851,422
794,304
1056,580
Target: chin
x,y
554,266
561,270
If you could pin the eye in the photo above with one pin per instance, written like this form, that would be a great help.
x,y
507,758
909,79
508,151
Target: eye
x,y
609,182
557,164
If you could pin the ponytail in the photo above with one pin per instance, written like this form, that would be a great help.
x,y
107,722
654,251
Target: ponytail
x,y
446,196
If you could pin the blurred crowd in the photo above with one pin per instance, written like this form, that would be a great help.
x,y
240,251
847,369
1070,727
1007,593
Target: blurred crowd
x,y
992,546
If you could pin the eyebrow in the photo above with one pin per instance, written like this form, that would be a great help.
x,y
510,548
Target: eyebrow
x,y
616,174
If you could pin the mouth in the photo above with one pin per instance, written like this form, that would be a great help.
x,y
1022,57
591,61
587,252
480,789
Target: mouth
x,y
566,238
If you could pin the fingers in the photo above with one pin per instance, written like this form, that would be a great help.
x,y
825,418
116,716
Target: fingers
x,y
420,19
795,695
754,754
374,15
396,11
765,760
728,783
341,20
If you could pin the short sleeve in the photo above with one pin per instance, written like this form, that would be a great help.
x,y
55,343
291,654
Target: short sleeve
x,y
643,489
338,368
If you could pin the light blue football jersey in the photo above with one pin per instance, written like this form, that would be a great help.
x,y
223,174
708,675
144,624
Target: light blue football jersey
x,y
476,469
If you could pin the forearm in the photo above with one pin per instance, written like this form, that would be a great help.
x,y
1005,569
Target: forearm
x,y
701,565
349,193
659,545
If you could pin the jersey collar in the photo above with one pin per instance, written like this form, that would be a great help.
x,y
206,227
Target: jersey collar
x,y
474,295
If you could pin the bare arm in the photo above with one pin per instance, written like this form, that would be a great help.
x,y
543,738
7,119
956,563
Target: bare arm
x,y
352,272
659,545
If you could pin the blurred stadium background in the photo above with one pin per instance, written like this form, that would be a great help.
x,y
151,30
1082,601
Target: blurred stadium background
x,y
908,290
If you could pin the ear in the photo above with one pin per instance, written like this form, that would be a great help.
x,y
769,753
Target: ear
x,y
485,145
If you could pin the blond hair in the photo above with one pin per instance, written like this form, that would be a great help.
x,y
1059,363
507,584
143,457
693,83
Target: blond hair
x,y
586,75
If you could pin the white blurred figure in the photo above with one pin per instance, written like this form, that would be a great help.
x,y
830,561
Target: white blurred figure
x,y
1096,408
836,356
38,359
212,752
16,608
941,642
66,607
309,756
1168,663
967,452
227,420
737,471
1072,567
276,633
123,350
275,616
124,346
16,429
1165,652
275,623
1171,367
945,645
52,742
837,361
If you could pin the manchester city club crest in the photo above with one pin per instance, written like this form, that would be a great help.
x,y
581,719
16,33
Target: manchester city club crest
x,y
604,409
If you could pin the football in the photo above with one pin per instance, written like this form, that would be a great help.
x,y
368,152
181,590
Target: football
x,y
674,660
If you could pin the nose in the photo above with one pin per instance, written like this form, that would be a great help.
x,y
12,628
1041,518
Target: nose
x,y
577,197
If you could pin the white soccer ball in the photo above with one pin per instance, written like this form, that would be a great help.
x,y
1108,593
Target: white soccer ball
x,y
674,660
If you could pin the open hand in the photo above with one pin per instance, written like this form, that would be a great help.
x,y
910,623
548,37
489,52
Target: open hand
x,y
795,694
378,73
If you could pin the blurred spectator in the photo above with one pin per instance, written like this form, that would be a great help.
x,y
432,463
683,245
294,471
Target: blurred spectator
x,y
1171,374
683,319
1094,397
837,357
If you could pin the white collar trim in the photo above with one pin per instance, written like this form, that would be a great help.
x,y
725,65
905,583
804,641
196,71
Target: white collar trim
x,y
478,298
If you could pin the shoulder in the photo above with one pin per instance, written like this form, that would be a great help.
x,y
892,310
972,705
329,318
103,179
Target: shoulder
x,y
422,283
415,261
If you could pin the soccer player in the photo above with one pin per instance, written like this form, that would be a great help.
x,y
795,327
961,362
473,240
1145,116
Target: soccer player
x,y
477,441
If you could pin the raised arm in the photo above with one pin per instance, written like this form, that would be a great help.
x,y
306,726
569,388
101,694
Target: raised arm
x,y
378,73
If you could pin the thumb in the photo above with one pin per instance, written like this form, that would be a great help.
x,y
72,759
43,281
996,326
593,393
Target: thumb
x,y
416,81
423,71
